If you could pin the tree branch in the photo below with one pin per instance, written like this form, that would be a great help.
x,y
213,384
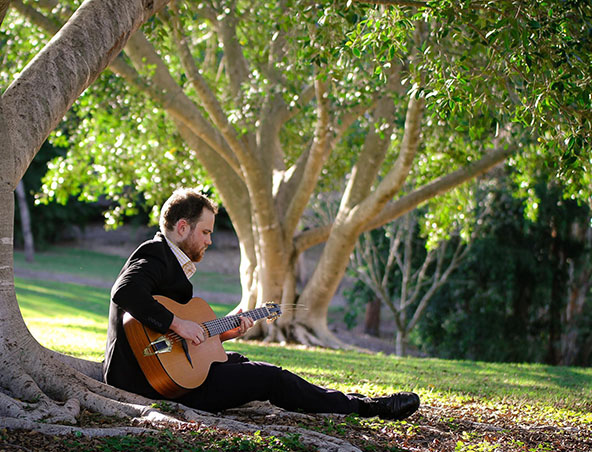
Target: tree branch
x,y
164,88
236,65
376,142
42,21
209,101
222,175
438,281
395,209
440,185
317,156
395,178
65,67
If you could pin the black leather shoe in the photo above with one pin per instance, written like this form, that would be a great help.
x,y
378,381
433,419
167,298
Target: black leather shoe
x,y
394,407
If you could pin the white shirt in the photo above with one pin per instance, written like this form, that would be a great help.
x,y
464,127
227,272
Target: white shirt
x,y
187,265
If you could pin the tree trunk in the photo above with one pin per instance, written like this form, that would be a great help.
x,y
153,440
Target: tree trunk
x,y
557,295
577,297
36,383
401,343
372,318
25,222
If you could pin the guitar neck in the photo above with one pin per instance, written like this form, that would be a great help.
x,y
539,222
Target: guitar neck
x,y
219,326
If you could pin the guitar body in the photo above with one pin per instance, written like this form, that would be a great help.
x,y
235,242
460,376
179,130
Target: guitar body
x,y
172,373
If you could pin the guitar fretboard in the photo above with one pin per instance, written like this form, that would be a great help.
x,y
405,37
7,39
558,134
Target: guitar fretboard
x,y
219,326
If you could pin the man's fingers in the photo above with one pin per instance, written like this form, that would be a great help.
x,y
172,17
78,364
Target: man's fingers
x,y
199,336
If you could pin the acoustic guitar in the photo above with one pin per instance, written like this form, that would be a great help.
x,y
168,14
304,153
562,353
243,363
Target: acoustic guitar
x,y
174,366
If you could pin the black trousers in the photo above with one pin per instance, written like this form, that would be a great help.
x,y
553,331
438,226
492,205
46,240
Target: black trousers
x,y
238,381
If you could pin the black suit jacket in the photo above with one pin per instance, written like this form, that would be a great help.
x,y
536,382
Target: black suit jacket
x,y
152,269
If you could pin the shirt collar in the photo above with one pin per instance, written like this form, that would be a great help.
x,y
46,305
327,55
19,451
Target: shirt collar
x,y
187,265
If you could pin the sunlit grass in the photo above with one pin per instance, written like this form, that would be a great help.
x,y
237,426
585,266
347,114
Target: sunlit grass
x,y
70,318
73,261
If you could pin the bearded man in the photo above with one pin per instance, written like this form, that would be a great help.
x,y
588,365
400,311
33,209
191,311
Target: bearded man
x,y
163,266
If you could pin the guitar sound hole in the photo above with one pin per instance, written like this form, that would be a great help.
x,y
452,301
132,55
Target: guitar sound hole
x,y
160,346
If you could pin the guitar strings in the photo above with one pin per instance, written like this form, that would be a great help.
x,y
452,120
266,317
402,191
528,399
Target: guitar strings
x,y
220,325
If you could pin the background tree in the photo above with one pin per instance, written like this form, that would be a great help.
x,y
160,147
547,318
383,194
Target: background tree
x,y
51,222
399,267
425,97
576,339
25,217
521,293
41,389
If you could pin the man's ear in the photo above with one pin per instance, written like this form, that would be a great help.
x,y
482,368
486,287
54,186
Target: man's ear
x,y
181,227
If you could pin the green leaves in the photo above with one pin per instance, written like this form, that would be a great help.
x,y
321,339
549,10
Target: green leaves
x,y
490,72
124,148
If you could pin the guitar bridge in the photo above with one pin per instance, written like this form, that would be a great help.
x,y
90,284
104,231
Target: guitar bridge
x,y
161,345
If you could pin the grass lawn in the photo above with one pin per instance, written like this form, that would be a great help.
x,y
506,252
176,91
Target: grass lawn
x,y
72,319
104,268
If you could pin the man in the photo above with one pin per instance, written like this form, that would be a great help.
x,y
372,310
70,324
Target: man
x,y
163,266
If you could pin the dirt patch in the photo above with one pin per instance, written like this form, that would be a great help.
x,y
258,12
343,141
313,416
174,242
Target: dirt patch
x,y
432,429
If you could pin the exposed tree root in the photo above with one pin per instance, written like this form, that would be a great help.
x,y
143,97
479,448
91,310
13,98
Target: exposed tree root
x,y
59,429
153,420
91,369
44,393
319,441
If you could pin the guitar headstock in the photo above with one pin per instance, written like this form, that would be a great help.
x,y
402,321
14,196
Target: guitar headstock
x,y
274,311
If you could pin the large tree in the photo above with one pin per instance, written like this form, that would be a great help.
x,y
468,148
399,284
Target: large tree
x,y
405,103
40,388
34,378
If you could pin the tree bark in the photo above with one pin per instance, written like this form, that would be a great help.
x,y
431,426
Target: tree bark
x,y
36,383
401,343
4,4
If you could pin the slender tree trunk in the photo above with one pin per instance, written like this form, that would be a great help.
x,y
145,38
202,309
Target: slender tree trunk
x,y
577,297
401,343
25,222
372,318
557,295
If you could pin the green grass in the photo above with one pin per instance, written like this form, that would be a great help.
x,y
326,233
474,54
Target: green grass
x,y
73,261
72,319
104,268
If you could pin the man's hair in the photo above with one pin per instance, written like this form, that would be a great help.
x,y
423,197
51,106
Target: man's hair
x,y
184,203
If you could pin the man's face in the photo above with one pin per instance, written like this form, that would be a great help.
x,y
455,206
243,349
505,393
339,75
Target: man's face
x,y
197,240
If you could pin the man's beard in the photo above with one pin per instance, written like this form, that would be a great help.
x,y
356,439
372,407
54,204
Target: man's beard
x,y
193,252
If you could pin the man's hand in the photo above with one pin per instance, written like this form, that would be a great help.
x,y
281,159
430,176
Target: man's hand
x,y
188,330
246,323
